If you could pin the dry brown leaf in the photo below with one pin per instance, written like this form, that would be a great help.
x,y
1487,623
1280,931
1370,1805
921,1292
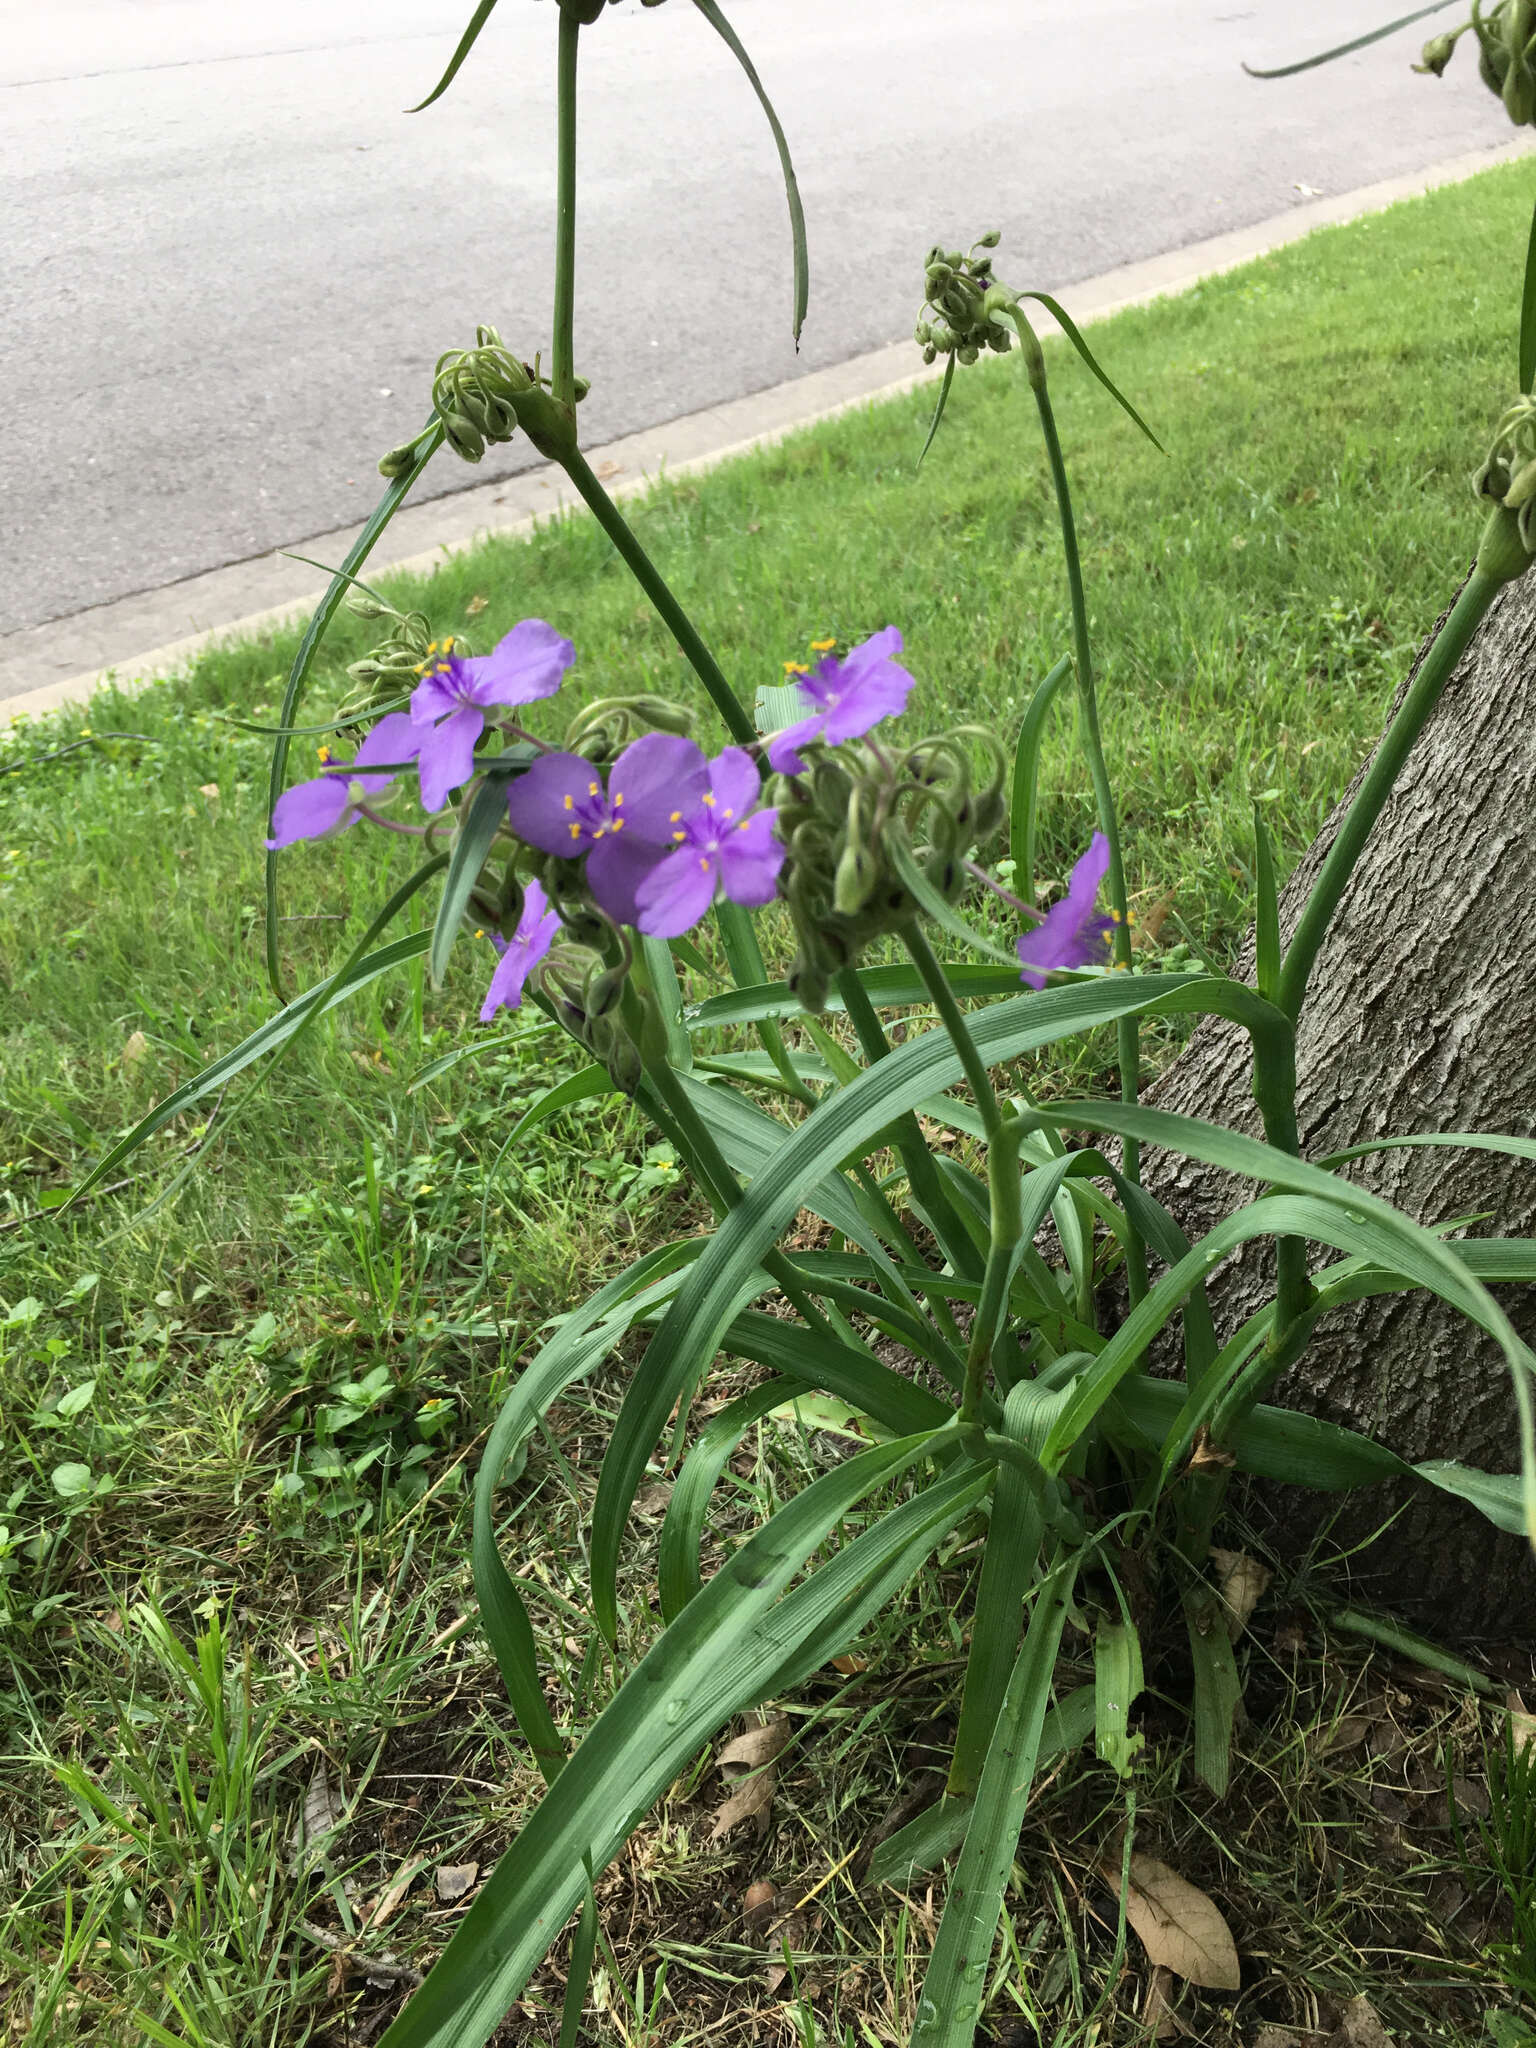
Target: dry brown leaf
x,y
475,606
322,1815
1241,1581
651,1501
135,1045
757,1904
1522,1725
1180,1927
752,1752
1359,2027
1149,924
1157,2011
850,1667
1347,1733
209,790
454,1880
758,1746
389,1902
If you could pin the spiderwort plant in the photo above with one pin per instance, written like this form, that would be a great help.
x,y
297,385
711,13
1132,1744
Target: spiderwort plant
x,y
586,858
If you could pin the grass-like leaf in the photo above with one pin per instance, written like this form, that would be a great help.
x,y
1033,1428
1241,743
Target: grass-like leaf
x,y
427,445
733,42
483,818
1023,805
1374,35
466,43
1074,334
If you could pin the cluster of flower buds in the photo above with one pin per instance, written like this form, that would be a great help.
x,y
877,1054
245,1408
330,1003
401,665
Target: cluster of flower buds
x,y
484,394
393,666
1506,54
1508,474
845,825
956,318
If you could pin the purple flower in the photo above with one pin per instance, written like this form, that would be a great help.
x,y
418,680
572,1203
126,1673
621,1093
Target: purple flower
x,y
1073,932
561,806
721,843
846,699
521,953
331,802
448,704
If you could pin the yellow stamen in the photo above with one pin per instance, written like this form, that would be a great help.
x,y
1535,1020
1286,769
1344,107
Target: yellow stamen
x,y
618,824
575,831
795,668
570,803
672,820
593,789
709,800
679,835
703,860
727,813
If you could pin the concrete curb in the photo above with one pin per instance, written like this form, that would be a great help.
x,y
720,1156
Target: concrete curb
x,y
271,590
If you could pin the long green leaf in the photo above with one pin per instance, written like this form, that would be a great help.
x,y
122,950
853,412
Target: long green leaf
x,y
841,1125
427,445
1374,35
478,826
695,1676
1266,927
939,404
466,43
1008,1566
1359,1222
1528,312
662,974
729,37
1074,334
1024,804
949,2005
682,1530
577,1348
888,988
267,1038
1218,1687
1467,1141
1117,1684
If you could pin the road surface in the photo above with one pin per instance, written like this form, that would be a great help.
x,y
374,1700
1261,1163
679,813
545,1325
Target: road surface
x,y
231,259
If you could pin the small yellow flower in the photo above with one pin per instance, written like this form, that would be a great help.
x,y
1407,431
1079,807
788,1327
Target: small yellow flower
x,y
795,668
822,646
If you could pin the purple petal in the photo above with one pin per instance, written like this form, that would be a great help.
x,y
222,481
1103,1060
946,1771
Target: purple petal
x,y
447,757
878,647
873,688
538,923
394,740
656,784
750,860
784,747
528,663
735,785
553,797
1072,933
434,695
677,894
1088,874
519,956
310,810
617,868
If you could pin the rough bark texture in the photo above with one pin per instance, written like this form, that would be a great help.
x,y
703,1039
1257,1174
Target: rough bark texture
x,y
1422,1017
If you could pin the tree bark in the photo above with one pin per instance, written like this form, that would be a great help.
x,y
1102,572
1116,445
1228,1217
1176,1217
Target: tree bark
x,y
1421,1017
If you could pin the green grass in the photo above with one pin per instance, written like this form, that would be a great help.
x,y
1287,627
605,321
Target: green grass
x,y
252,1383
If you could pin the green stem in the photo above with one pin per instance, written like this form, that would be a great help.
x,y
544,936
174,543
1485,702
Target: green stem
x,y
650,579
922,1175
1003,1190
1127,1031
1419,700
563,355
714,1169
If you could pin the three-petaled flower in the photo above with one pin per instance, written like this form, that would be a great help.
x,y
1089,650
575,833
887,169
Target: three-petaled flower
x,y
667,832
845,698
1074,932
520,954
334,799
720,844
448,705
562,806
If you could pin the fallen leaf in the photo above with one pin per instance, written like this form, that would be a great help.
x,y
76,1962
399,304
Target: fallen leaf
x,y
475,606
651,1501
850,1667
1522,1726
209,790
1241,1581
135,1045
1180,1927
322,1814
389,1902
1157,2011
752,1752
453,1880
1205,1456
757,1905
1359,2027
608,469
1346,1733
758,1746
1150,924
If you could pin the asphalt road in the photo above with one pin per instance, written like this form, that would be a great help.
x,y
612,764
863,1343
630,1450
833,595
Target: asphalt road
x,y
231,260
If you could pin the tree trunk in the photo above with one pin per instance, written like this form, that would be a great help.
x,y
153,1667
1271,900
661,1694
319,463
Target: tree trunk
x,y
1422,1017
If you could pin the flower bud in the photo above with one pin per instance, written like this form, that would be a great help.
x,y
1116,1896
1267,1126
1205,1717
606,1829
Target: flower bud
x,y
463,437
856,880
362,604
990,239
399,461
1436,54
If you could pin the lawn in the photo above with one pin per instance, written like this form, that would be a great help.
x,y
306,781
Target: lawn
x,y
242,1392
